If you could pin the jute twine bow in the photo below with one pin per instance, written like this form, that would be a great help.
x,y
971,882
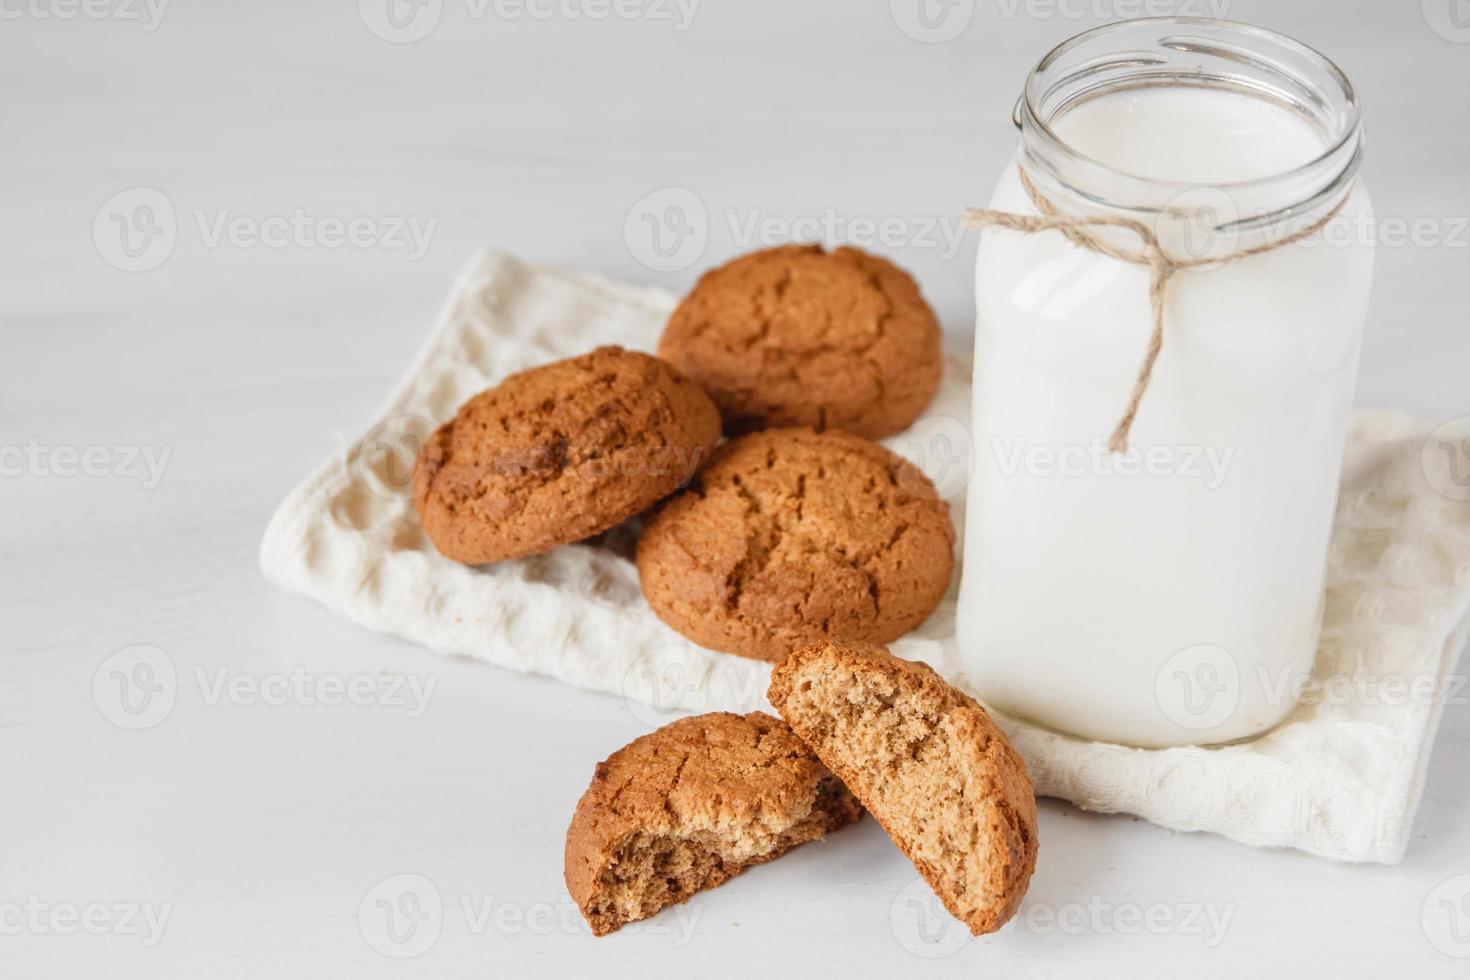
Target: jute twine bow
x,y
1150,253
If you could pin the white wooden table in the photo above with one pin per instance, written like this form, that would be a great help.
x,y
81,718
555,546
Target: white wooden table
x,y
151,419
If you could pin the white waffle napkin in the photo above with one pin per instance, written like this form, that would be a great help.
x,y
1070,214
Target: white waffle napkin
x,y
1340,779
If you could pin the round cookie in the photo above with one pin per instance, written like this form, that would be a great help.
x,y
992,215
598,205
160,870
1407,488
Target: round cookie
x,y
560,453
789,536
797,336
691,805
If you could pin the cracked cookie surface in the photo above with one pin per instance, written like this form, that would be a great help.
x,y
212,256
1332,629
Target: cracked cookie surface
x,y
691,805
560,453
789,536
797,336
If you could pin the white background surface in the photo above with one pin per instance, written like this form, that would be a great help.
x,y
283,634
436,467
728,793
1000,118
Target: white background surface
x,y
261,829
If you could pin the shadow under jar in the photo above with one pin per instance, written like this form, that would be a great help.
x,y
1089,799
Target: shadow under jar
x,y
1170,594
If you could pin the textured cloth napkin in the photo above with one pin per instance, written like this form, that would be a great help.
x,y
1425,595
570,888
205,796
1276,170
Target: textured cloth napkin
x,y
1341,778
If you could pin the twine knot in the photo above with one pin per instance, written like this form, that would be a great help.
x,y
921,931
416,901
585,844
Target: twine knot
x,y
1150,253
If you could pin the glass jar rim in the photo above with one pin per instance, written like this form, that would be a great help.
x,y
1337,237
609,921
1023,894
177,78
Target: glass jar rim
x,y
1325,173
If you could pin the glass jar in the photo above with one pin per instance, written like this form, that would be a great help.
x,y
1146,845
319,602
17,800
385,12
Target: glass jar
x,y
1172,593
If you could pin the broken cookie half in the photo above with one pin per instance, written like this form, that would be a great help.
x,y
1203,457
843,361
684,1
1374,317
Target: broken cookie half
x,y
691,805
927,762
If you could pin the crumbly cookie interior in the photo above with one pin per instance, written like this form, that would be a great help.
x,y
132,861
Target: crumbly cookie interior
x,y
649,871
912,762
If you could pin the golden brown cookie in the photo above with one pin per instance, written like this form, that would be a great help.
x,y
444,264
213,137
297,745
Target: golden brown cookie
x,y
690,806
928,763
797,336
789,535
560,453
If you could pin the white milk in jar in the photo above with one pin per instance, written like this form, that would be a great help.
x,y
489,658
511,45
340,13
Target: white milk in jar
x,y
1171,594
